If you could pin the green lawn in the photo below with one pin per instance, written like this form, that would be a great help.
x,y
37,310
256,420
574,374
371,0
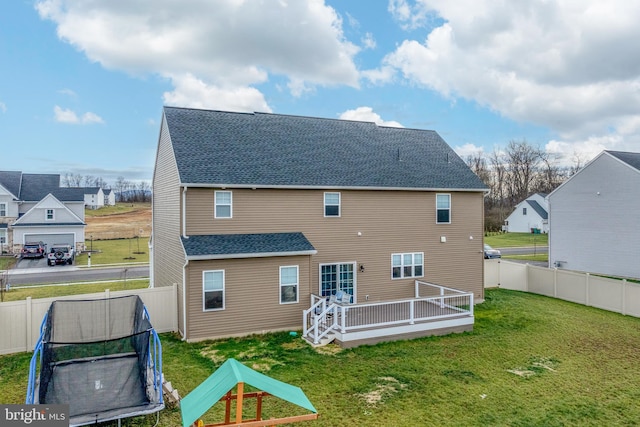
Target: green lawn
x,y
509,240
530,361
116,251
48,291
117,209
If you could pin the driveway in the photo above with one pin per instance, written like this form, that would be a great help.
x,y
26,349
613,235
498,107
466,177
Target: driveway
x,y
32,263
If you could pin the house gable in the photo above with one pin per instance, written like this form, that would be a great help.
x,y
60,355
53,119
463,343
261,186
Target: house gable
x,y
592,217
39,214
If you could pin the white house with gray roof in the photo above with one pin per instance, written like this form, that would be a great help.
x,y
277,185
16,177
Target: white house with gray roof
x,y
33,207
530,214
593,217
260,219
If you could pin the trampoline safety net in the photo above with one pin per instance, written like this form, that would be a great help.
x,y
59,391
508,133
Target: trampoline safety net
x,y
102,357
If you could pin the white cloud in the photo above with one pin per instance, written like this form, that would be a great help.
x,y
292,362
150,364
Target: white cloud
x,y
192,92
366,114
227,45
64,115
368,41
68,92
467,150
89,117
570,66
3,107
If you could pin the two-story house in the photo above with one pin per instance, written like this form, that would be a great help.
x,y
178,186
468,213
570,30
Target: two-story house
x,y
33,207
257,217
593,217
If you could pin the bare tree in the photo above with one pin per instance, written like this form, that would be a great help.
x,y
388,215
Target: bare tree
x,y
523,161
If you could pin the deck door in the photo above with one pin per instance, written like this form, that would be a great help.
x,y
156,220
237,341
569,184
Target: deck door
x,y
337,277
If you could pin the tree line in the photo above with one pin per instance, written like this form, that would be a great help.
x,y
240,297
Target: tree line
x,y
126,191
516,172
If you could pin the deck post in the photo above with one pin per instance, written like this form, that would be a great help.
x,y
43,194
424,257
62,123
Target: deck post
x,y
411,312
343,319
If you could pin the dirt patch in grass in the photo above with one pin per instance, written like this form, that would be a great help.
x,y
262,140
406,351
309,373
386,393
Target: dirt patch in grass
x,y
536,366
385,388
329,349
120,225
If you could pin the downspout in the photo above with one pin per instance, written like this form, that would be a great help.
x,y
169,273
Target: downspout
x,y
184,212
184,299
186,263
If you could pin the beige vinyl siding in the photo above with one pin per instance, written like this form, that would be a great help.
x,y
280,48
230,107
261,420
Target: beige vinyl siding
x,y
252,297
168,254
389,222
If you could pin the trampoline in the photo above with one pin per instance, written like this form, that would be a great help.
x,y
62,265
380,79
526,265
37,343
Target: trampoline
x,y
101,357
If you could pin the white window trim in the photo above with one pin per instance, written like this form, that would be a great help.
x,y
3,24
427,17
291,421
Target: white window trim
x,y
297,284
437,209
5,209
215,204
324,204
402,265
223,291
355,276
46,215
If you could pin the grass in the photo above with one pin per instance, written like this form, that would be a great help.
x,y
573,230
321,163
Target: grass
x,y
119,208
510,240
7,262
116,251
49,291
530,361
530,257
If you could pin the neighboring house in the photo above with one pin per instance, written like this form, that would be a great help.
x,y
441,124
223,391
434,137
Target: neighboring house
x,y
594,217
255,215
109,197
33,207
93,197
529,215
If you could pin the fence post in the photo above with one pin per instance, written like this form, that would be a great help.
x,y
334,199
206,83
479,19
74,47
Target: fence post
x,y
526,277
175,307
29,319
555,282
587,285
624,295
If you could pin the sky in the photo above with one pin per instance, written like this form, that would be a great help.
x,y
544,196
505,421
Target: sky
x,y
83,82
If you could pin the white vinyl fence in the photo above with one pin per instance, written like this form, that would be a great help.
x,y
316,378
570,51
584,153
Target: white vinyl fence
x,y
20,320
619,296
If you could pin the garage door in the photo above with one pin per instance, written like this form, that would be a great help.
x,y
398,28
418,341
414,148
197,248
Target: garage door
x,y
51,239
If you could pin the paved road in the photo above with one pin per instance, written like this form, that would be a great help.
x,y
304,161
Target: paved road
x,y
71,273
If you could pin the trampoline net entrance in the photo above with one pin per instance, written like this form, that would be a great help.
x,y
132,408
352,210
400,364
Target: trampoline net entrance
x,y
102,357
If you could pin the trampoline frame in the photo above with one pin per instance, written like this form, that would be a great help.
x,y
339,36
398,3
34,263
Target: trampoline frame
x,y
154,366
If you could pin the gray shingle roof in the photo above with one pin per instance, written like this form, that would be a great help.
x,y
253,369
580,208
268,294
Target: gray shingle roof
x,y
11,181
259,149
632,159
539,209
246,245
35,186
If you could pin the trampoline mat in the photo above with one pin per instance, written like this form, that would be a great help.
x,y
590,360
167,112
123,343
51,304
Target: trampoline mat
x,y
99,389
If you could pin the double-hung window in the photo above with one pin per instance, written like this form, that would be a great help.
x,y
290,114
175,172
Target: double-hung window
x,y
49,215
223,204
331,204
407,265
213,290
3,209
443,208
289,284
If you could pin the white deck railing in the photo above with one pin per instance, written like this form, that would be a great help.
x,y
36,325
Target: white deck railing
x,y
431,303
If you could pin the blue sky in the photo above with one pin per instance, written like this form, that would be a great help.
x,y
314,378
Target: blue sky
x,y
82,83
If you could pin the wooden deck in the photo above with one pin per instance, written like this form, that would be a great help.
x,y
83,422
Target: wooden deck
x,y
447,311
